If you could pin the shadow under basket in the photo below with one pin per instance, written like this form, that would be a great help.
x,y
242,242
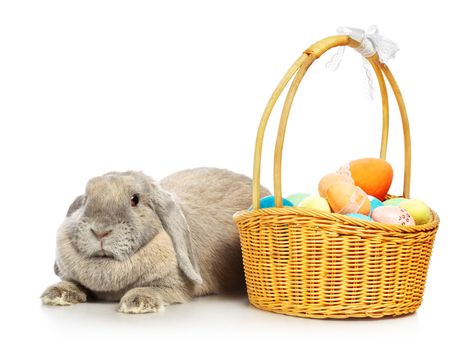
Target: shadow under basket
x,y
314,264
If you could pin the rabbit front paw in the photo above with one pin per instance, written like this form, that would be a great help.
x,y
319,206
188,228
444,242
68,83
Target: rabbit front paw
x,y
63,293
141,301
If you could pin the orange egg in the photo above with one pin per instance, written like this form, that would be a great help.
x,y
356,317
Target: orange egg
x,y
372,175
331,179
345,198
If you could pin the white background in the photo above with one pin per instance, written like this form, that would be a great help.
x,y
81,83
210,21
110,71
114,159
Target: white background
x,y
92,86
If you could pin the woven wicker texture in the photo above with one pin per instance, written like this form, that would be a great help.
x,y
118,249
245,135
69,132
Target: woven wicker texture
x,y
312,264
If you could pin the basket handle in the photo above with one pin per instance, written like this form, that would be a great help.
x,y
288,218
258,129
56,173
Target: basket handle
x,y
298,69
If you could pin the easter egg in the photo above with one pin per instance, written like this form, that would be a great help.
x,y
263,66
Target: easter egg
x,y
315,203
420,212
372,175
268,202
345,198
392,215
296,198
331,179
374,203
360,216
394,201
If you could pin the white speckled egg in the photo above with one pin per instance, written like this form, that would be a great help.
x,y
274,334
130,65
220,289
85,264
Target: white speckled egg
x,y
392,215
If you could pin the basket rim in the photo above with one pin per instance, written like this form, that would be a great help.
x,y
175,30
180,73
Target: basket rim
x,y
341,219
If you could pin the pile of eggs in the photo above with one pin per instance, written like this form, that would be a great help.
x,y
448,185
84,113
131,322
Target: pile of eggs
x,y
358,190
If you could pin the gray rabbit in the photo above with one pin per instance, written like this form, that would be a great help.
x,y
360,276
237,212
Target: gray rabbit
x,y
149,244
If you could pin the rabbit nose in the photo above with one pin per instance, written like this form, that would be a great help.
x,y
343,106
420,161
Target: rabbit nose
x,y
101,234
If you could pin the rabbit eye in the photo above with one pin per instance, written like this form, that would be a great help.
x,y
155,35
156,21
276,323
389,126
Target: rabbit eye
x,y
134,200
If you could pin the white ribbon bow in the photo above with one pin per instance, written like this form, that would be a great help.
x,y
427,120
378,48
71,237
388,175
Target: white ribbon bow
x,y
371,42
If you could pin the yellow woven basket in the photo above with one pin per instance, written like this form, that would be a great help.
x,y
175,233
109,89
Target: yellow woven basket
x,y
312,264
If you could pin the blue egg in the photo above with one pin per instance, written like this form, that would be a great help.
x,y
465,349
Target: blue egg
x,y
374,203
268,202
360,216
296,198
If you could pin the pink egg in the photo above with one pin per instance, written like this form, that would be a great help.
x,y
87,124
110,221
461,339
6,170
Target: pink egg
x,y
392,215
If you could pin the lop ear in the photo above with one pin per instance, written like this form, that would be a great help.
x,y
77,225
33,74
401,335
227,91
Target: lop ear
x,y
75,205
57,270
175,224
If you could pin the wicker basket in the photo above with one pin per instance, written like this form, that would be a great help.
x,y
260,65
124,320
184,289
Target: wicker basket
x,y
312,264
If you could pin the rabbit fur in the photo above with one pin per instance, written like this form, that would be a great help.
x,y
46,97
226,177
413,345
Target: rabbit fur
x,y
179,240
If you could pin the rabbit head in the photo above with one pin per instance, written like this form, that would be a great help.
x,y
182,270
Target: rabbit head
x,y
121,212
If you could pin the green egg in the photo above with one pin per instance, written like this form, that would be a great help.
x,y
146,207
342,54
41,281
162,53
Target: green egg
x,y
394,201
296,198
